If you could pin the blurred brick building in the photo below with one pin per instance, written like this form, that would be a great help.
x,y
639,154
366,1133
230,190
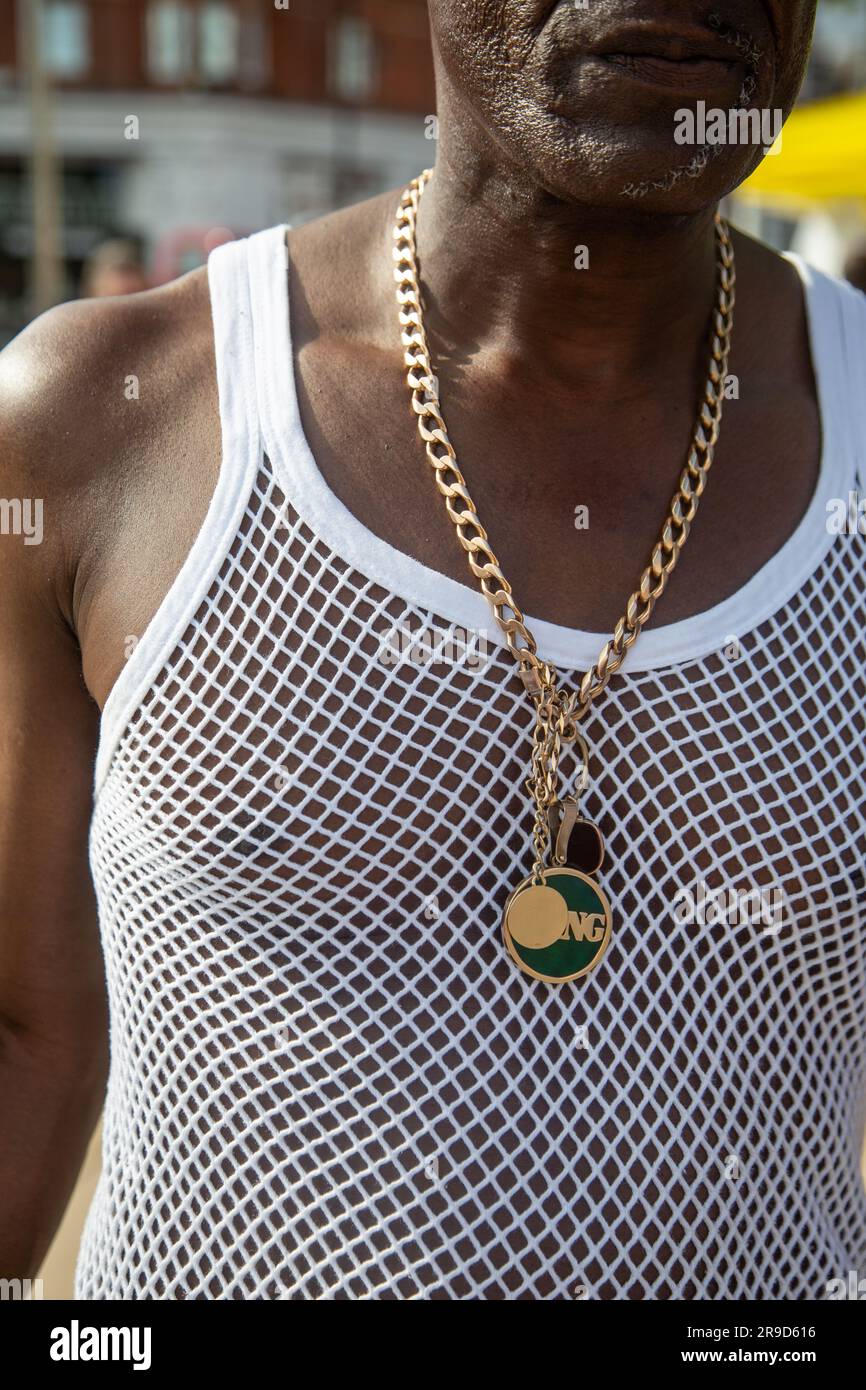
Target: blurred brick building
x,y
175,117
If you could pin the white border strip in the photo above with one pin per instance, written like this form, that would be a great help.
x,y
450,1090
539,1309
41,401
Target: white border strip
x,y
241,452
571,649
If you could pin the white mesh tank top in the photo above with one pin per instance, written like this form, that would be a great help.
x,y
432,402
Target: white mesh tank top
x,y
327,1078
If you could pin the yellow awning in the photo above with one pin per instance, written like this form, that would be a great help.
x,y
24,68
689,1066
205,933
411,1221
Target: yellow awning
x,y
823,157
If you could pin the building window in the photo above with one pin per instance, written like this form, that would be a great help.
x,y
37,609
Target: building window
x,y
352,59
218,46
65,38
169,41
208,43
254,58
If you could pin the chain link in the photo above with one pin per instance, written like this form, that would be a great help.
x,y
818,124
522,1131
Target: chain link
x,y
558,711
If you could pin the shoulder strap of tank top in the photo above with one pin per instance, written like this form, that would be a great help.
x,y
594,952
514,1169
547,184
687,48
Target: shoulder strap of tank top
x,y
282,432
284,441
228,282
853,306
837,314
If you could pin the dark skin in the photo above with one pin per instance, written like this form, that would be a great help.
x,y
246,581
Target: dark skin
x,y
560,387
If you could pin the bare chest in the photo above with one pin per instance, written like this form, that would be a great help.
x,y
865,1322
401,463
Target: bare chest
x,y
572,502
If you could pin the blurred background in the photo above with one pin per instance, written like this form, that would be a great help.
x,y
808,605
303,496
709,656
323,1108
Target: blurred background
x,y
161,127
135,135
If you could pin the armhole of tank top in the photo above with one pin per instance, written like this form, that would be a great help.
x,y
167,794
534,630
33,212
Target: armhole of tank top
x,y
854,330
228,283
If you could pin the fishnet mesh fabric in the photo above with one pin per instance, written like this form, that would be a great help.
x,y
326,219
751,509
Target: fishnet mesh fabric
x,y
327,1078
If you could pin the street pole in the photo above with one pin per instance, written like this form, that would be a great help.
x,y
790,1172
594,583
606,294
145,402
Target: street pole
x,y
46,264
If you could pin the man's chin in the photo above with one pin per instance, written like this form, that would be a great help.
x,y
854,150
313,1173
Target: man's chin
x,y
675,180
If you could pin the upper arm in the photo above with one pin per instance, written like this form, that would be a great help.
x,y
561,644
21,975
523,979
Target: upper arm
x,y
52,993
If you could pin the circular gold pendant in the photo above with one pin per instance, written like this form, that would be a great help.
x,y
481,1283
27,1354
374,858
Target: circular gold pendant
x,y
557,941
537,917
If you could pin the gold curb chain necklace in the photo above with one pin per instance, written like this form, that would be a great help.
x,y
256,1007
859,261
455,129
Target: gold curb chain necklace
x,y
557,922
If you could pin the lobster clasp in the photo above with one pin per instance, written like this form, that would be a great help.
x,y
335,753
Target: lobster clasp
x,y
562,816
531,681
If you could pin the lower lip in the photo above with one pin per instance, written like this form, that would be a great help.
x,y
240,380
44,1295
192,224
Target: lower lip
x,y
694,75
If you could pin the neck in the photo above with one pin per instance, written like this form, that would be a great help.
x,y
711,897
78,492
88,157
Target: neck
x,y
504,278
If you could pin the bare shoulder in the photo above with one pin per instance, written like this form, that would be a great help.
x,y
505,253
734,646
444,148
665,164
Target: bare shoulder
x,y
67,380
91,394
340,266
770,278
770,291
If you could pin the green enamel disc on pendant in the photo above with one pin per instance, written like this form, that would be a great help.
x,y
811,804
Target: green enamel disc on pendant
x,y
560,930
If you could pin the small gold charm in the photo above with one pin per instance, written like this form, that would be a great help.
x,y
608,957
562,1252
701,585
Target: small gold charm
x,y
584,934
537,917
